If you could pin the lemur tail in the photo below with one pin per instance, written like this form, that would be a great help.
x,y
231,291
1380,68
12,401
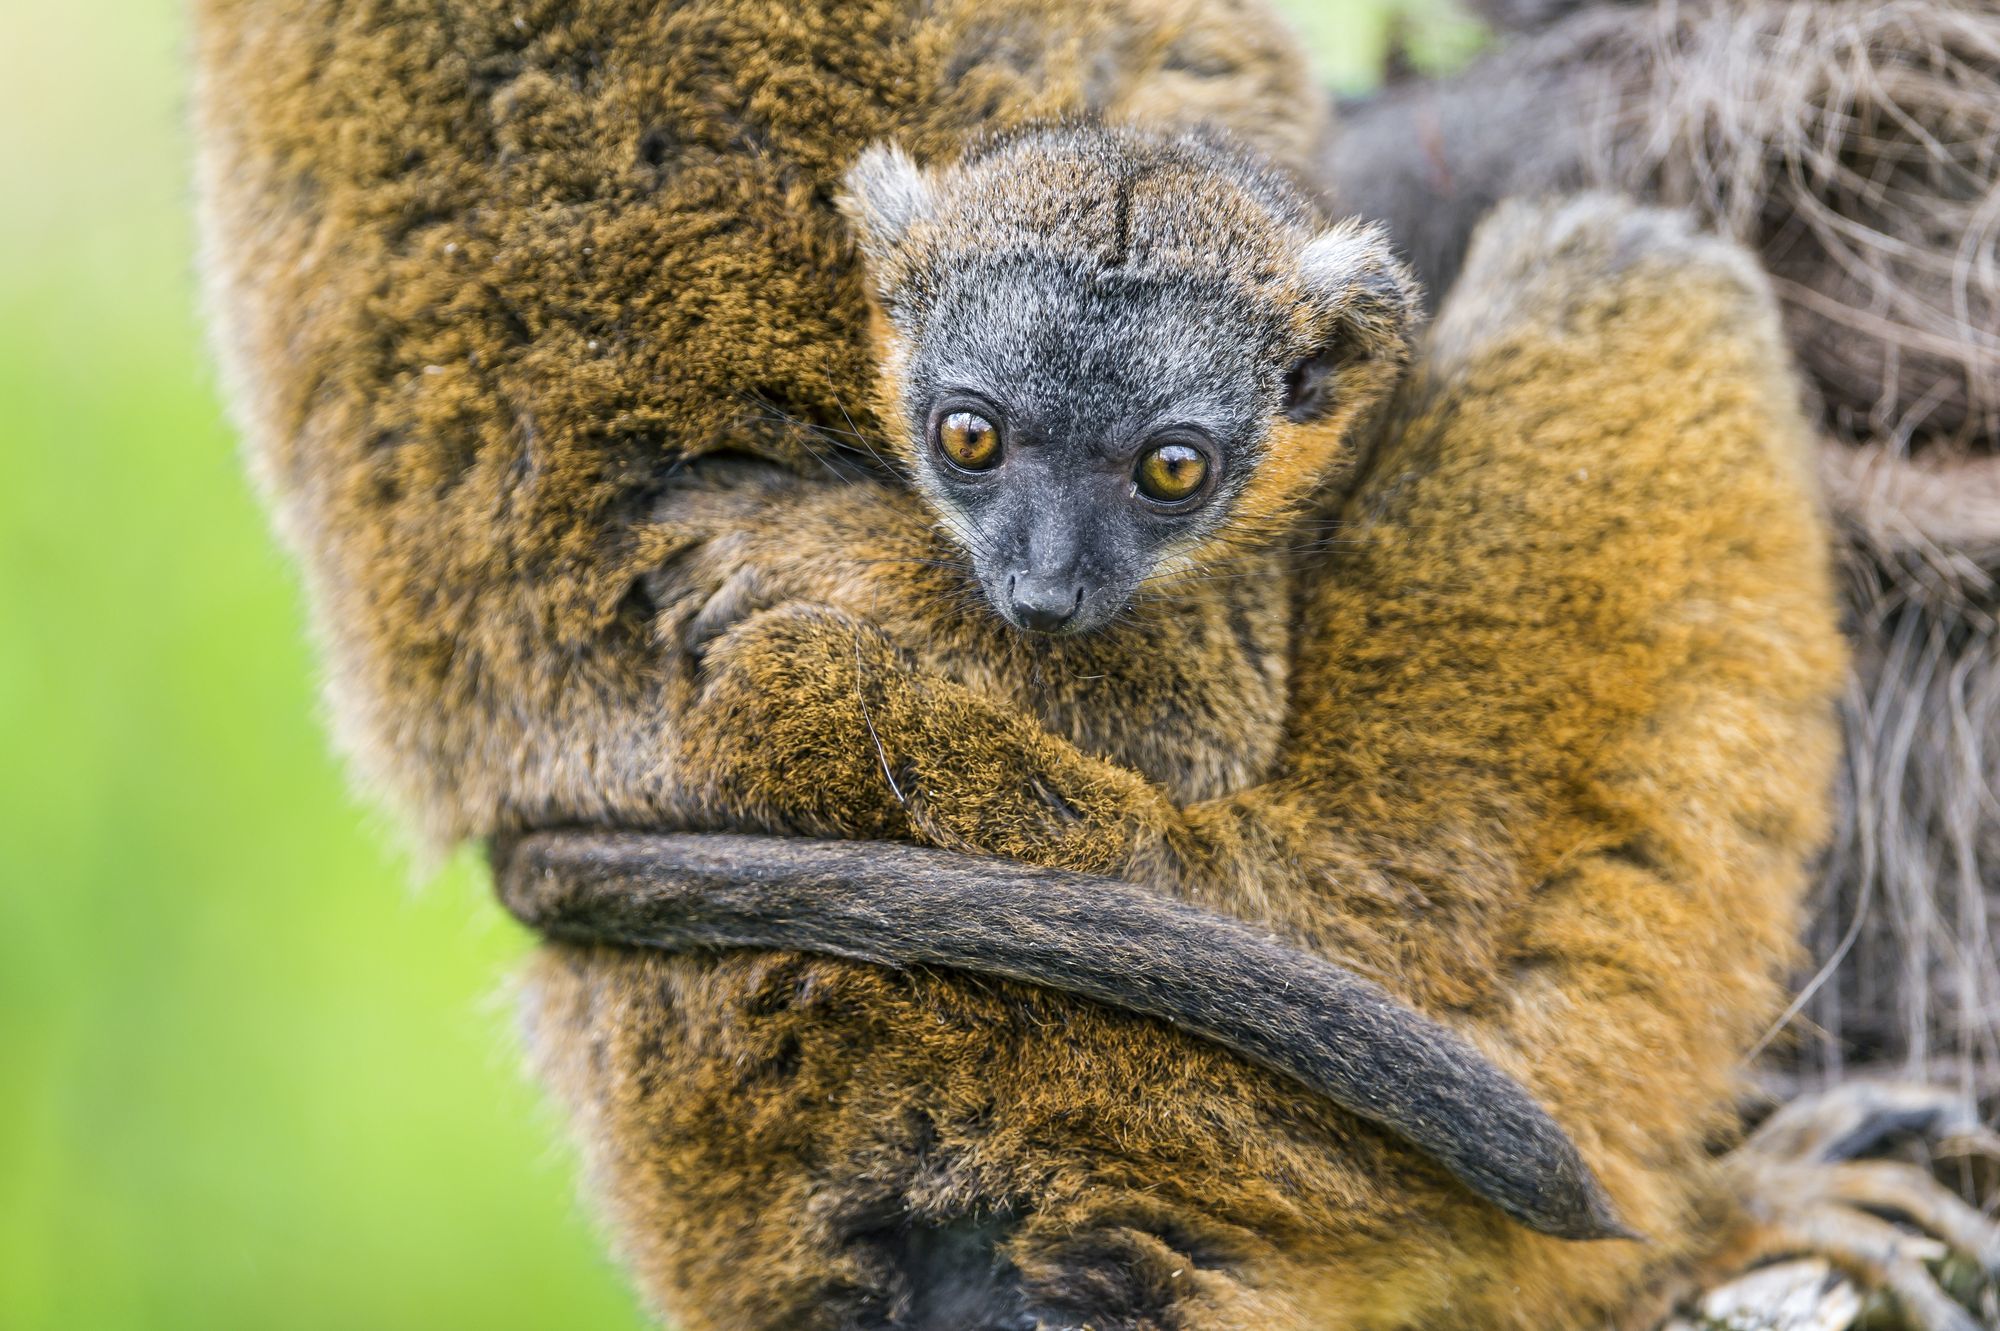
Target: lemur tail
x,y
1098,938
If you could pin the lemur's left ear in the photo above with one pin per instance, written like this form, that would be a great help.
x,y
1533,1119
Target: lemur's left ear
x,y
1370,302
884,194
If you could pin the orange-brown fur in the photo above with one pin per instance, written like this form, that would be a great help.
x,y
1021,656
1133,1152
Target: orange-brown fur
x,y
483,276
1587,852
1546,756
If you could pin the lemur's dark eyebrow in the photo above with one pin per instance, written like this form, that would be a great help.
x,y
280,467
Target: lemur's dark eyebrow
x,y
1121,219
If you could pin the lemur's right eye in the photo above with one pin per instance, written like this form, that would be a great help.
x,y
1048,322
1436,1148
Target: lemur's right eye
x,y
1170,473
968,440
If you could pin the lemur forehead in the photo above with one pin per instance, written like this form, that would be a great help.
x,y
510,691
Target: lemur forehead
x,y
1127,201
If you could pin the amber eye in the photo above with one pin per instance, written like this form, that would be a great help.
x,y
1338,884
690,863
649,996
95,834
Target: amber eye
x,y
1170,473
968,440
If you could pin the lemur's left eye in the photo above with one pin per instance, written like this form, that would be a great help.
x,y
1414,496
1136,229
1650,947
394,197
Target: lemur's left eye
x,y
1170,473
968,440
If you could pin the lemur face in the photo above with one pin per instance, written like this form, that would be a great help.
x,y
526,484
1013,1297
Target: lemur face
x,y
1103,351
1080,432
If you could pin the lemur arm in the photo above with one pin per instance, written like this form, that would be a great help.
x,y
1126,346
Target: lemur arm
x,y
1581,602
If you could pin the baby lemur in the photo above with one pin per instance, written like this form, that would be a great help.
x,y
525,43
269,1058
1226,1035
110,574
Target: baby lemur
x,y
1549,773
1122,362
1108,360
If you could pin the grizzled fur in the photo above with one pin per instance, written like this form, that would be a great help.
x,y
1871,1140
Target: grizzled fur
x,y
1095,291
1557,900
1585,856
1539,748
521,263
1855,145
1089,287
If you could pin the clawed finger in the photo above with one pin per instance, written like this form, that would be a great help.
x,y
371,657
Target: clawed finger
x,y
1906,1190
1853,1119
1800,1177
1981,1143
1882,1257
741,595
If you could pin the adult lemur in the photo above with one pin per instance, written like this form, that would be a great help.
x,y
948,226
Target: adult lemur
x,y
477,339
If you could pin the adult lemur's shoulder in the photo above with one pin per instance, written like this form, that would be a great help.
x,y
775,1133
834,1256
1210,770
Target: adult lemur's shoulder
x,y
486,277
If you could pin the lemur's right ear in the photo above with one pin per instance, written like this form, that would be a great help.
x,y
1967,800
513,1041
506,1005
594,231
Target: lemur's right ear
x,y
884,194
1370,300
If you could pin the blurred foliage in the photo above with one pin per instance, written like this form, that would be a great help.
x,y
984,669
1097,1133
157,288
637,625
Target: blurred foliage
x,y
1349,42
254,1077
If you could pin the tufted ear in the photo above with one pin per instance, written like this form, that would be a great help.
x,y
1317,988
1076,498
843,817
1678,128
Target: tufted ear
x,y
884,194
1369,301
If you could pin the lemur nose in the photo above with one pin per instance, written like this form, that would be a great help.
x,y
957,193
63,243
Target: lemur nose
x,y
1043,605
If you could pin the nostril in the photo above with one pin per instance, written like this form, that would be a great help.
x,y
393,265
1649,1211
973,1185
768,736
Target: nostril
x,y
1043,609
1040,603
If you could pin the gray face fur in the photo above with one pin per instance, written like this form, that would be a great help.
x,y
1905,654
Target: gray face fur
x,y
1096,295
1082,374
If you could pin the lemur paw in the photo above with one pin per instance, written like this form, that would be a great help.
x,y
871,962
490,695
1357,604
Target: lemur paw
x,y
810,718
1889,1226
743,541
784,724
741,595
713,585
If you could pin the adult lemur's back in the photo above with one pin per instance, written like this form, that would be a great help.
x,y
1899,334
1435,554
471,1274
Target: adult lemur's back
x,y
486,276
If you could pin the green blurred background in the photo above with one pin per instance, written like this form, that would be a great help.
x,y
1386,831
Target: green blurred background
x,y
255,1074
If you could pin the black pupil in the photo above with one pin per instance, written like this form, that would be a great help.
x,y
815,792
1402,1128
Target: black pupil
x,y
966,435
1176,467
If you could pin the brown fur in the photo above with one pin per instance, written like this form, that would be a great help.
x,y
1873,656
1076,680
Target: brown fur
x,y
1852,145
474,333
517,265
1654,751
1147,224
